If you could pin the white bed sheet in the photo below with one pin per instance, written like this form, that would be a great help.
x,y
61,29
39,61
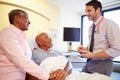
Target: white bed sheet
x,y
53,63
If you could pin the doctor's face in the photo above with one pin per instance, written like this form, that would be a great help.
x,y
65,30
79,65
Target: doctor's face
x,y
91,13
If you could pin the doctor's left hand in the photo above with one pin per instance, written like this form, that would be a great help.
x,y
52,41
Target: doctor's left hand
x,y
87,54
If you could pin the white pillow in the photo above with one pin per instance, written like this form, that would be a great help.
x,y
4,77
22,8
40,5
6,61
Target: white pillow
x,y
32,43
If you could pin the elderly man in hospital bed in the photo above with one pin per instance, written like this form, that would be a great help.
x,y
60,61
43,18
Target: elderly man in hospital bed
x,y
52,60
42,51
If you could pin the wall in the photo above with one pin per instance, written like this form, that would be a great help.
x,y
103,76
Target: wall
x,y
67,19
43,15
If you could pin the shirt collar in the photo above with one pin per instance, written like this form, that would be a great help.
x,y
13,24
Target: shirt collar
x,y
96,22
49,50
16,30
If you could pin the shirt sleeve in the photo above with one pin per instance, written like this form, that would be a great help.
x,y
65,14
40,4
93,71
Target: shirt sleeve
x,y
16,55
113,32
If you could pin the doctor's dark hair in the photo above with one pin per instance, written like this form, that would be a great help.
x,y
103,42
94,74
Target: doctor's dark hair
x,y
13,13
95,3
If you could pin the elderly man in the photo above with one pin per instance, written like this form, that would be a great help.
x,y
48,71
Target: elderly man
x,y
43,51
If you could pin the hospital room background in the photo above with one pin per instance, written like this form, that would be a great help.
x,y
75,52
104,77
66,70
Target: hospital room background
x,y
51,17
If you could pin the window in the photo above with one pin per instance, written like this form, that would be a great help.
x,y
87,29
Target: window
x,y
84,30
113,14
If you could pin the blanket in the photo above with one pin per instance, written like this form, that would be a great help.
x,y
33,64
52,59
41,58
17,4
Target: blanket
x,y
53,63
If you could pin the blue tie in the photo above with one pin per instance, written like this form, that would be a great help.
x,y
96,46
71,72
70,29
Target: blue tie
x,y
92,39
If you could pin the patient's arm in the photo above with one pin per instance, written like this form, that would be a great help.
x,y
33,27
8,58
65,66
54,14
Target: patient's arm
x,y
68,68
59,74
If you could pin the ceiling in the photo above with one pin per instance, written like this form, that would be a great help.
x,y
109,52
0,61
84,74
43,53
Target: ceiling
x,y
78,5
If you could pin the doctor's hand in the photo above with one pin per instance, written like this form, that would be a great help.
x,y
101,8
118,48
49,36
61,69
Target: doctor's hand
x,y
87,54
58,75
81,49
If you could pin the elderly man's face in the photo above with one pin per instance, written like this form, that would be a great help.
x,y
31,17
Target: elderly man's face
x,y
45,41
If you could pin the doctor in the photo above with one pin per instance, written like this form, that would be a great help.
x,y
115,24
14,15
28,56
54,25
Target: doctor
x,y
104,42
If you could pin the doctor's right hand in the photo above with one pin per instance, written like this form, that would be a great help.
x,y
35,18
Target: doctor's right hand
x,y
81,49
